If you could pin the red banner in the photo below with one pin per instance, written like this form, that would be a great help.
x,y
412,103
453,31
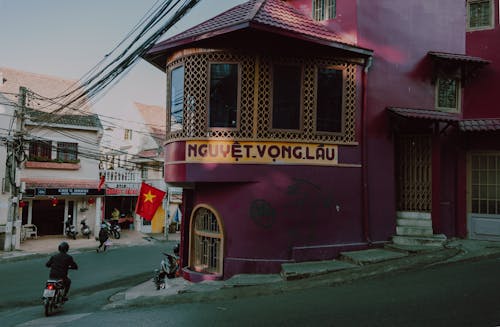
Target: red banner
x,y
149,200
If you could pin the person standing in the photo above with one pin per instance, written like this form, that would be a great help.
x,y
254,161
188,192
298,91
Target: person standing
x,y
103,238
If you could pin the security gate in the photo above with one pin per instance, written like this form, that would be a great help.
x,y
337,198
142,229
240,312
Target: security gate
x,y
484,196
413,173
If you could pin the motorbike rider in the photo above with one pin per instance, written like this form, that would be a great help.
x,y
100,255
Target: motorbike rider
x,y
59,265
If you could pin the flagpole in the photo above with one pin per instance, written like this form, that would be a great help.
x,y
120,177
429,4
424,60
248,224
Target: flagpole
x,y
167,213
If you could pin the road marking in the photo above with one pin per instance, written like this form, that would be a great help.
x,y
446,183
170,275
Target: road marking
x,y
54,320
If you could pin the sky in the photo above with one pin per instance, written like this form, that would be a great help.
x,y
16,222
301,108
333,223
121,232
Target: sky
x,y
67,38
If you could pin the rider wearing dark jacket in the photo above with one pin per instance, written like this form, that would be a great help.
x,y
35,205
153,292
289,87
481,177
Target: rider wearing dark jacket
x,y
59,265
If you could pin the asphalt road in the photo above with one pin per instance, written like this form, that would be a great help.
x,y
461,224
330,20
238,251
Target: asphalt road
x,y
99,276
460,294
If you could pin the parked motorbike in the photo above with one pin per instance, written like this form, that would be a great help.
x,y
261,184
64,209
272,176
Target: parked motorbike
x,y
70,230
169,267
53,299
113,229
85,229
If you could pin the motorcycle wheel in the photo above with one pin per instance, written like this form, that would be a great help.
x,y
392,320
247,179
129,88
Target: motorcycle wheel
x,y
116,234
48,307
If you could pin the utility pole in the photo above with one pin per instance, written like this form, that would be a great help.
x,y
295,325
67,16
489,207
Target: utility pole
x,y
15,156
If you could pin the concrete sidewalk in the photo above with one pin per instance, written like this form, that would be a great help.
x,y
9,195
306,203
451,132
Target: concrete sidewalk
x,y
350,266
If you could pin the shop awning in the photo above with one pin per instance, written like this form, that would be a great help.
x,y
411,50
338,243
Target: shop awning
x,y
464,125
453,64
426,114
479,125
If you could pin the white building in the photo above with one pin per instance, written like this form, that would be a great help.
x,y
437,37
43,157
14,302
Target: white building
x,y
59,170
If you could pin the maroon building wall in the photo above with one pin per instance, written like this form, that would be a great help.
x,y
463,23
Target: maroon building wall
x,y
275,213
295,212
480,97
401,33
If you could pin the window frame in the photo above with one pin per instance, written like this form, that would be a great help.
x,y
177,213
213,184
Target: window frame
x,y
343,102
324,9
458,95
238,94
67,151
301,98
38,146
169,98
127,134
491,24
192,258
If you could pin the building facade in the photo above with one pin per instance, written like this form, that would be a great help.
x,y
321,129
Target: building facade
x,y
301,128
54,178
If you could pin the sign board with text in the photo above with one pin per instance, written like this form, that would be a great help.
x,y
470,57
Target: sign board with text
x,y
261,153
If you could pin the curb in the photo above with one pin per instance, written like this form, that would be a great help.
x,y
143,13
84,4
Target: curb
x,y
325,280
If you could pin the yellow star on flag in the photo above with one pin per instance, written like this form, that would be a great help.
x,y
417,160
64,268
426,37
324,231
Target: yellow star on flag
x,y
148,197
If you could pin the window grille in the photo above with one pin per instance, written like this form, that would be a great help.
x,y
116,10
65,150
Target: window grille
x,y
255,121
324,9
127,134
40,150
207,242
67,151
485,184
479,14
448,94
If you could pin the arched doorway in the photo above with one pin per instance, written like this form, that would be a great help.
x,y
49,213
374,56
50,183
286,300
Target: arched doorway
x,y
206,253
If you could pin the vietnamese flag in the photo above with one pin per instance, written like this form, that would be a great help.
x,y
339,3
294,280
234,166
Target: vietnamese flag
x,y
149,200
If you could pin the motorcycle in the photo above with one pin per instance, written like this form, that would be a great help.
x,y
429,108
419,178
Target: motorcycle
x,y
53,299
70,230
113,229
169,267
85,229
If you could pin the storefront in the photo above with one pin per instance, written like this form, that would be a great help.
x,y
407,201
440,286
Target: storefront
x,y
49,208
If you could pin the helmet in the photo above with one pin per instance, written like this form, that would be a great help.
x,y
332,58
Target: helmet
x,y
63,247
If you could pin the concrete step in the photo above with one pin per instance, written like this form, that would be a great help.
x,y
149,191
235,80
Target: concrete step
x,y
414,222
434,240
413,231
413,215
363,257
290,271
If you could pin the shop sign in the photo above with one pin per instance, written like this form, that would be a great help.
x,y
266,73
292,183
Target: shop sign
x,y
122,189
66,191
261,153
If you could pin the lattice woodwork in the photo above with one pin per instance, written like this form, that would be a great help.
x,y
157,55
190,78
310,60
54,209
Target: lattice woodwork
x,y
414,173
255,125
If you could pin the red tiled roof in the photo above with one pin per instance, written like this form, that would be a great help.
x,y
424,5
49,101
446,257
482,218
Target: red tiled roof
x,y
479,125
44,85
465,125
424,114
60,183
155,117
272,16
457,57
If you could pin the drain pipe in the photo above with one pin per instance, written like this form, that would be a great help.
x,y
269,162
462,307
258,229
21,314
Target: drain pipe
x,y
364,161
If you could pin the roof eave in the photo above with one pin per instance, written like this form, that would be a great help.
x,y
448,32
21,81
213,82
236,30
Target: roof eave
x,y
157,54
